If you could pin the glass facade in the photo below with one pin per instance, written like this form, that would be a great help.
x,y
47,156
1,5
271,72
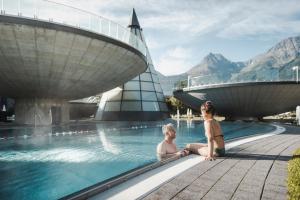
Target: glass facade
x,y
146,77
150,106
147,86
131,95
131,106
143,93
132,85
112,106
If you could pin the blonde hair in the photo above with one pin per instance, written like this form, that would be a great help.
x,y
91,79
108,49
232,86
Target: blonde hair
x,y
167,127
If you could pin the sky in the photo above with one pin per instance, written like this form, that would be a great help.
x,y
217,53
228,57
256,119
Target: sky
x,y
180,33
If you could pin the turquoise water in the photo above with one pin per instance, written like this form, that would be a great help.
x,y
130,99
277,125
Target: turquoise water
x,y
50,163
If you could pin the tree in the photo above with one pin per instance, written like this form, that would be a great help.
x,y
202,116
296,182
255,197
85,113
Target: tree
x,y
174,104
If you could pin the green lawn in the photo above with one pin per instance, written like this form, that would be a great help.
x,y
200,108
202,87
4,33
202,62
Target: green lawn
x,y
294,176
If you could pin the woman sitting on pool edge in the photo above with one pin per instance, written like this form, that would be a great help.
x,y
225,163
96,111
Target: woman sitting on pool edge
x,y
215,140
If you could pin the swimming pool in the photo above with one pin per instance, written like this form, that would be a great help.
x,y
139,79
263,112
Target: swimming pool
x,y
49,163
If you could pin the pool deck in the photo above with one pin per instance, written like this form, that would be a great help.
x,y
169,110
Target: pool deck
x,y
254,170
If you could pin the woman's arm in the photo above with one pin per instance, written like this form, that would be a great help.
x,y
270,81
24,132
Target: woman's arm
x,y
210,137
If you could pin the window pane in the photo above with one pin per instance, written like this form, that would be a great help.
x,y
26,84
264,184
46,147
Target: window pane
x,y
155,78
150,106
131,106
147,86
136,78
163,107
145,77
112,106
113,95
149,96
132,85
157,87
131,95
152,68
160,97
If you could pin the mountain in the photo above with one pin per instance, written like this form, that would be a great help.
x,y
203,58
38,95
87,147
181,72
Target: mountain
x,y
276,63
168,82
215,68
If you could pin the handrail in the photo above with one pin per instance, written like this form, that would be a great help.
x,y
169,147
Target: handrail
x,y
216,79
49,11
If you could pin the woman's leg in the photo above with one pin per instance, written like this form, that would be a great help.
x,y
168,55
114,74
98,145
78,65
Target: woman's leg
x,y
203,151
194,147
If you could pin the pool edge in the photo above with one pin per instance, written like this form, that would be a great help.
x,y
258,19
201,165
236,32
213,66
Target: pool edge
x,y
121,186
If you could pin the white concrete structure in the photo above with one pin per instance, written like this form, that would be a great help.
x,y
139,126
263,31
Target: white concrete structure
x,y
298,115
44,64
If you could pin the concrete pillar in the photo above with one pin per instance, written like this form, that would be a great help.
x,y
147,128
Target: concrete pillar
x,y
41,111
298,115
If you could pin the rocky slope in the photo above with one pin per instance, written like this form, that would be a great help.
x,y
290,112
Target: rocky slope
x,y
275,64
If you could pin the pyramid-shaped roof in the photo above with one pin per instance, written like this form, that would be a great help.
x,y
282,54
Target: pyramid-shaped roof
x,y
134,22
138,99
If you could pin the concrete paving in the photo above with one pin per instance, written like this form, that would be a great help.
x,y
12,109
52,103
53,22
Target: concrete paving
x,y
255,170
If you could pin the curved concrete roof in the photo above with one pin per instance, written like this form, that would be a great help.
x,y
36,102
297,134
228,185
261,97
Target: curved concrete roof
x,y
240,100
47,60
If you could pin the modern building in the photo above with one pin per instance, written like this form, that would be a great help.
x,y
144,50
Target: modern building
x,y
52,53
141,98
249,100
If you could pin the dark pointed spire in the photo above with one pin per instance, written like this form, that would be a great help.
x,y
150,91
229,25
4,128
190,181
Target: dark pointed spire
x,y
134,23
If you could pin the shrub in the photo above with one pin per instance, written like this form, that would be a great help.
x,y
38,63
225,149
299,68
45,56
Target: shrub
x,y
293,180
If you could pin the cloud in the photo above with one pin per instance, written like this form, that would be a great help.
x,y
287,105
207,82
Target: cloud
x,y
225,19
189,23
266,19
174,61
153,43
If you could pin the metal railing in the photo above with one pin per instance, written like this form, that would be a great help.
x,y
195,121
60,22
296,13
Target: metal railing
x,y
269,75
62,14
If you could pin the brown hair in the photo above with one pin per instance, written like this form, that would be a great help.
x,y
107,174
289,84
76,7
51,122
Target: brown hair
x,y
208,107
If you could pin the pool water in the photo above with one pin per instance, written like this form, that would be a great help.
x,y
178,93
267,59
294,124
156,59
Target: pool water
x,y
50,163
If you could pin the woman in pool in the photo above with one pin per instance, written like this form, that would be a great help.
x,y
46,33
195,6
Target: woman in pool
x,y
215,141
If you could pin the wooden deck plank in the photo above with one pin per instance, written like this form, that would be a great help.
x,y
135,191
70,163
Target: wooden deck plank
x,y
253,170
275,185
228,185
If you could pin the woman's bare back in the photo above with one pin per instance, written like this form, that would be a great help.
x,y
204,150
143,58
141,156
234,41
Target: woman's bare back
x,y
217,134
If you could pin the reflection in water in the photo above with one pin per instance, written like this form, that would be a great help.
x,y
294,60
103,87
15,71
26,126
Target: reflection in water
x,y
69,155
189,123
178,122
107,145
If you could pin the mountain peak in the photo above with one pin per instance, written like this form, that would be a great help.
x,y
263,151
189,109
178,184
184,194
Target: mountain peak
x,y
214,58
282,53
291,45
215,64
